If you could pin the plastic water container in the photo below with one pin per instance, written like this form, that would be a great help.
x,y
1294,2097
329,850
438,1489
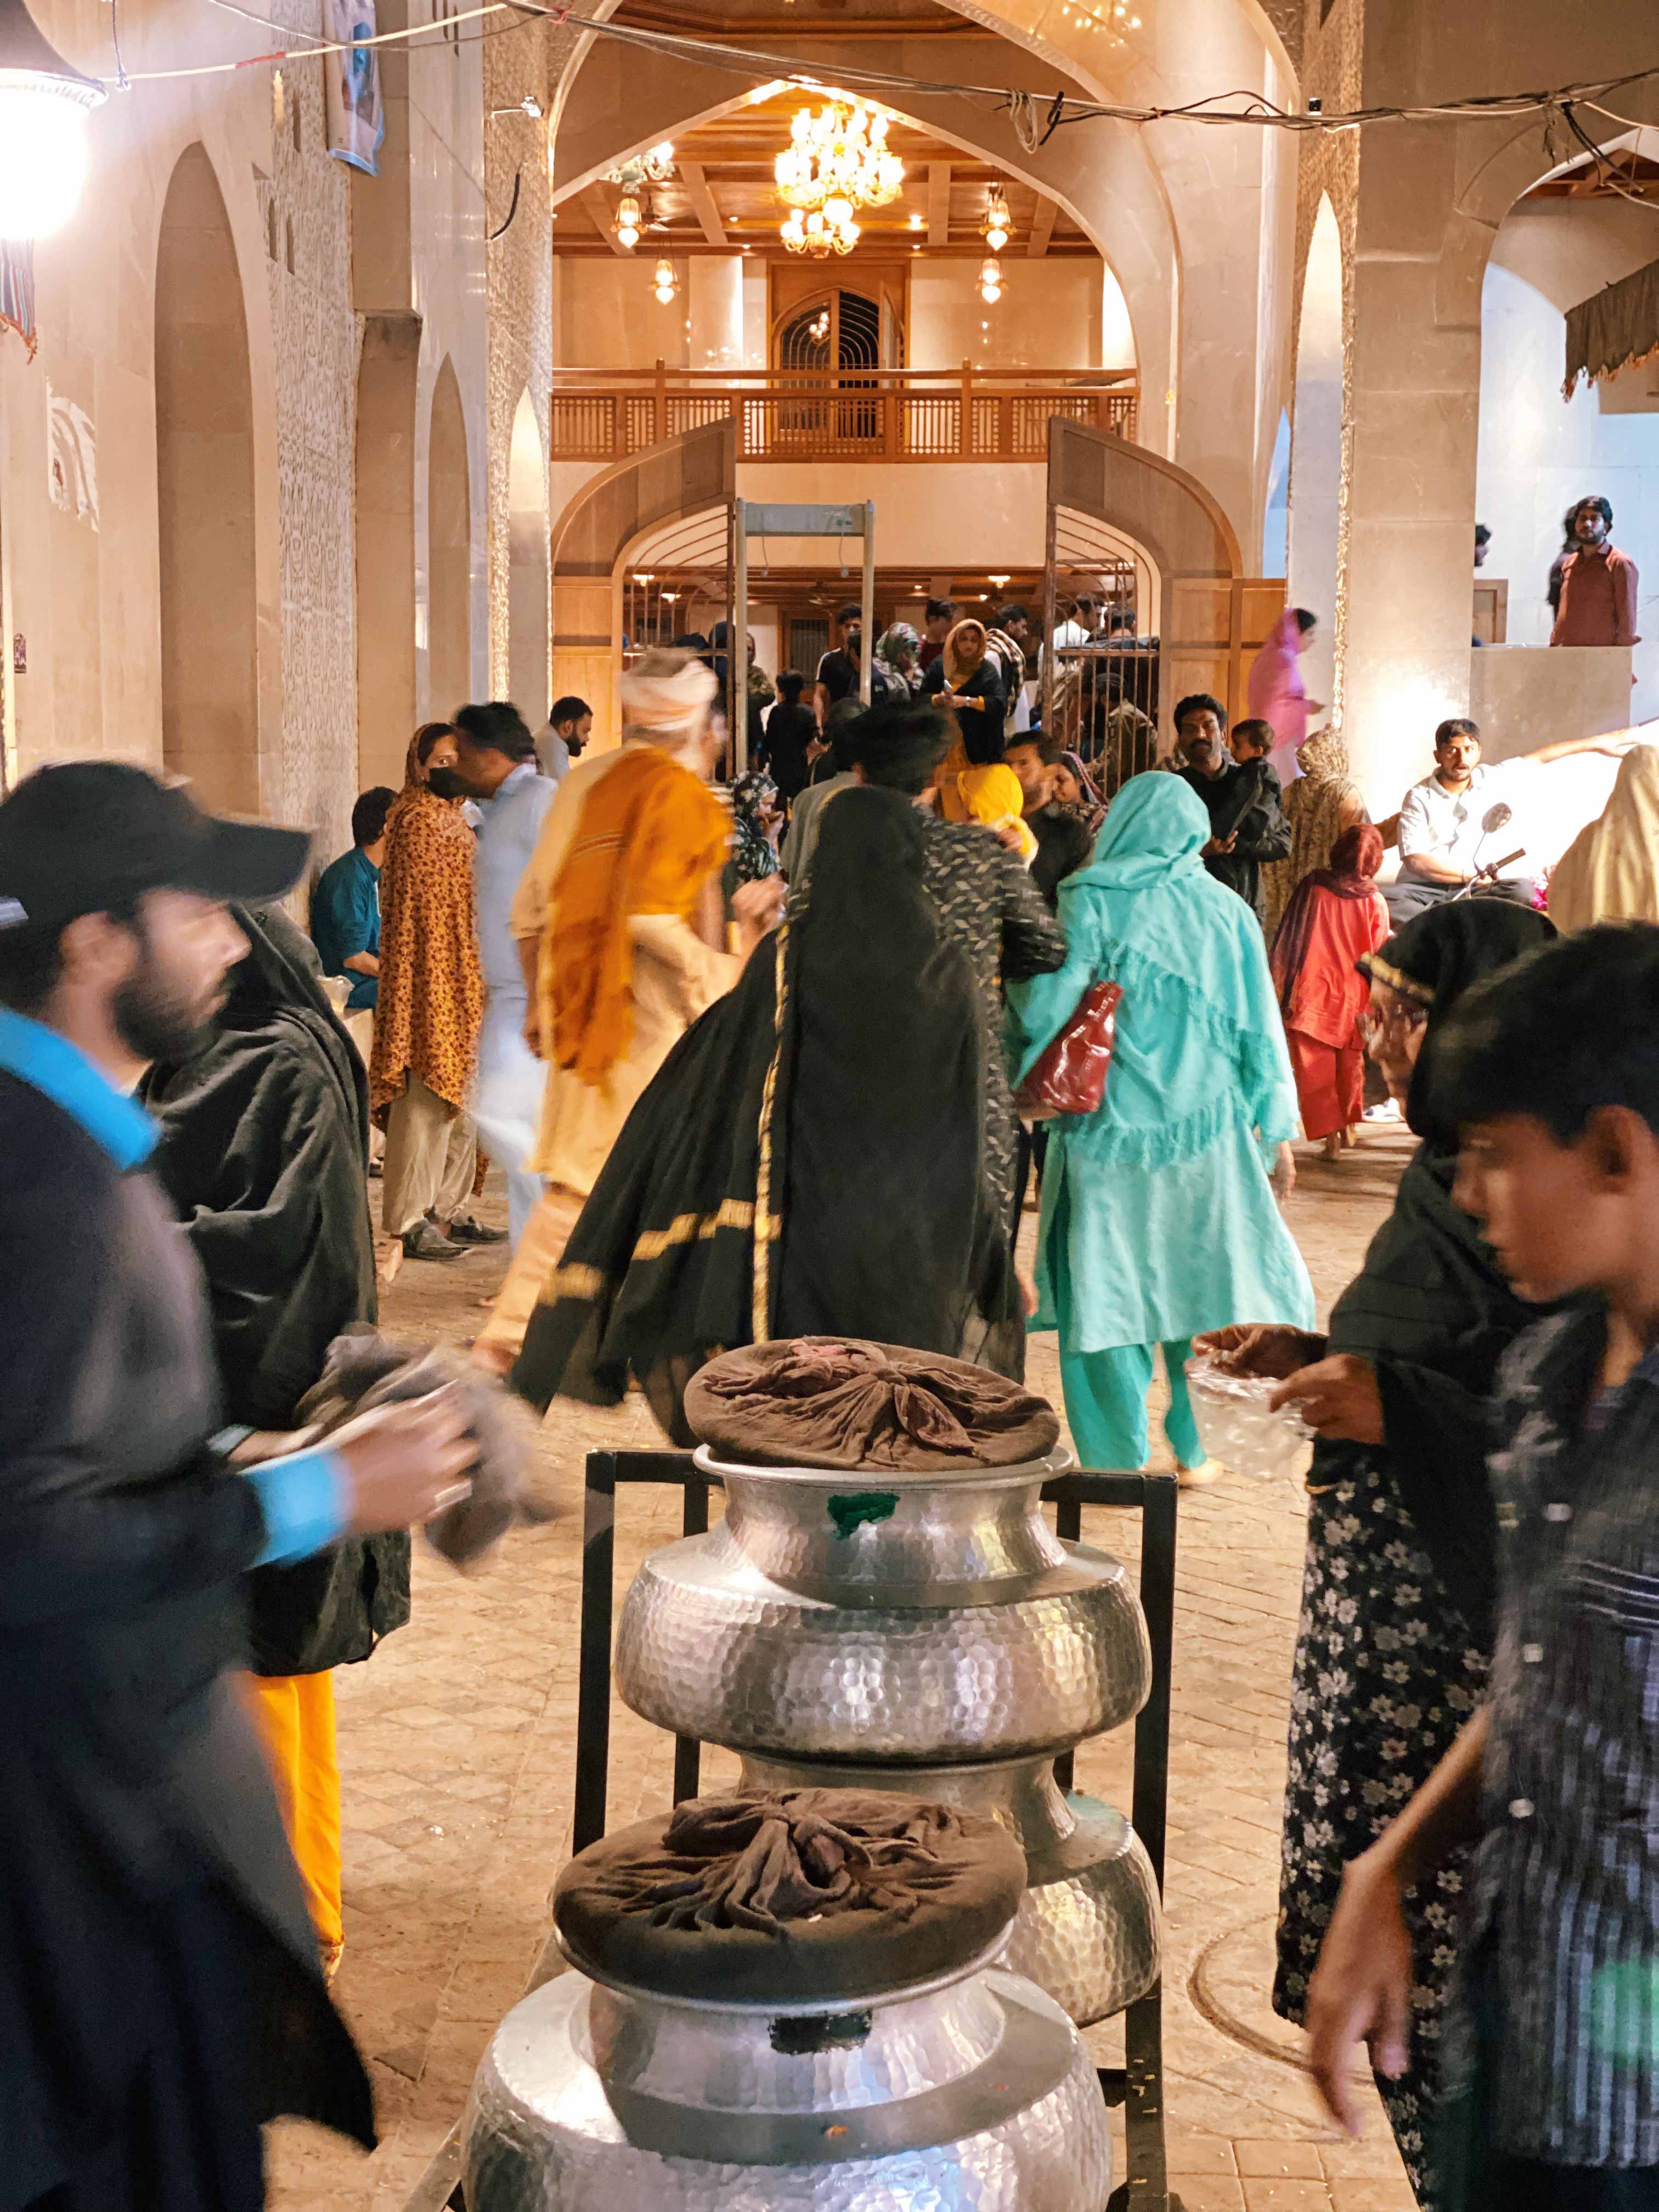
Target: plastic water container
x,y
1237,1425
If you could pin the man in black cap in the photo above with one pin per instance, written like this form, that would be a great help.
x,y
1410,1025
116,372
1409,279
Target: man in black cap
x,y
160,1993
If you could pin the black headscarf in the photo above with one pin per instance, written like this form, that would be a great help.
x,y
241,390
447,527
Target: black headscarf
x,y
1438,956
1429,1309
264,1156
836,1096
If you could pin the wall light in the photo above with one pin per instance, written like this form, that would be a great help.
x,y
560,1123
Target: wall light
x,y
43,105
665,282
627,222
990,279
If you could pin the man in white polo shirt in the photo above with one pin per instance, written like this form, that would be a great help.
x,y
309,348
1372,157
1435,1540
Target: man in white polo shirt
x,y
1445,846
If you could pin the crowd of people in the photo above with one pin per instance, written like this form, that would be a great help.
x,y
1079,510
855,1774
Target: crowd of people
x,y
758,1053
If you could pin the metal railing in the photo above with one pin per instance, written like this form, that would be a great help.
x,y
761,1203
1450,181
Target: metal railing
x,y
890,414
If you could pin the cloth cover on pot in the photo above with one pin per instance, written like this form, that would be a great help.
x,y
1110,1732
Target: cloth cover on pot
x,y
816,1895
837,1401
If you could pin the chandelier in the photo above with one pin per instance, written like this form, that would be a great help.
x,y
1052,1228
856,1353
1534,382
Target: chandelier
x,y
841,153
997,225
829,229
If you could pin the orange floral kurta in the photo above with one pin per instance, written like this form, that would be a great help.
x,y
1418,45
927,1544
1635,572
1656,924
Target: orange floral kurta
x,y
431,996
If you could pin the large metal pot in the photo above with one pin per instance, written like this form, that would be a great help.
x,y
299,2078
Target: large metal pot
x,y
976,2094
1088,1931
928,1617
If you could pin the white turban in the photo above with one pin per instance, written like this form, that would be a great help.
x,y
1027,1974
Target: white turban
x,y
666,697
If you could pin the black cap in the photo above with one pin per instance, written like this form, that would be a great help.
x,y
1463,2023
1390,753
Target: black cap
x,y
85,835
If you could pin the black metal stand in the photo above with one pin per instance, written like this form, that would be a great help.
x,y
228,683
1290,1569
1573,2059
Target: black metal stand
x,y
1137,2084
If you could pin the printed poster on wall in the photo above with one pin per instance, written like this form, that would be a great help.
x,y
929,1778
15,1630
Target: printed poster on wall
x,y
357,114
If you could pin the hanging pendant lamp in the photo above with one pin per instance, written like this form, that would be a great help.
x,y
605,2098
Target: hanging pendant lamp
x,y
43,107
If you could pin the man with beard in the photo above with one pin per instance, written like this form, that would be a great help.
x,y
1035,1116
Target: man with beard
x,y
160,1993
1240,793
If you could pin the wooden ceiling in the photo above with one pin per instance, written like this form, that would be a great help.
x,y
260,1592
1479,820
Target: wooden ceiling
x,y
722,197
1626,174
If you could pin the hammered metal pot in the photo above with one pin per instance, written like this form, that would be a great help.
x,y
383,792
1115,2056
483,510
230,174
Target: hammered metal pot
x,y
931,1617
977,2096
1088,1930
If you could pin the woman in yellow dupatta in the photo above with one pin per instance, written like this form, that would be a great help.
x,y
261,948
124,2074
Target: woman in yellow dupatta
x,y
966,682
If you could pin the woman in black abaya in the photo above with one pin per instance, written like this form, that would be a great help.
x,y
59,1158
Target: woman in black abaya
x,y
1397,1595
807,1161
263,1154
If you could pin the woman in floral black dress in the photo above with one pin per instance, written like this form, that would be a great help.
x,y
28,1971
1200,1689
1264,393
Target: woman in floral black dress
x,y
1396,1602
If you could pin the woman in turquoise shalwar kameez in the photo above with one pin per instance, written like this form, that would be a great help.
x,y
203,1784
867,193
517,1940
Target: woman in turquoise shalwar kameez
x,y
1159,1213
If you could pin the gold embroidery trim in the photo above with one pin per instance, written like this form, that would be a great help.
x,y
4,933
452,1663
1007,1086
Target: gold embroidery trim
x,y
1396,980
770,1224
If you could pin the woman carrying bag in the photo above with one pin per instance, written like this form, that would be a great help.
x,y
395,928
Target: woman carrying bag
x,y
1158,1216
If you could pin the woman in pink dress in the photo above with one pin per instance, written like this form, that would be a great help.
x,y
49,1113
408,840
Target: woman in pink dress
x,y
1277,694
1335,916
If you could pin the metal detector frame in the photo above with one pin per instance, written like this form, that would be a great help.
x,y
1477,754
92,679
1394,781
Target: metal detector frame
x,y
773,518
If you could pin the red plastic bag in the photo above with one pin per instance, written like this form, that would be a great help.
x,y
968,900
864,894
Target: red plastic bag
x,y
1069,1075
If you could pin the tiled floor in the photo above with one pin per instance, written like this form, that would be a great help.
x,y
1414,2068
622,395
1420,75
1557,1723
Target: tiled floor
x,y
456,1746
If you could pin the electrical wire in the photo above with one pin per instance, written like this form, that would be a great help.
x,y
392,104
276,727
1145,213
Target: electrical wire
x,y
313,44
1020,106
1603,166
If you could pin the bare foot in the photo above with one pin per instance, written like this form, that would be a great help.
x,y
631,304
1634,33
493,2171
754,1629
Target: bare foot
x,y
1333,1145
493,1358
1350,1137
1028,1291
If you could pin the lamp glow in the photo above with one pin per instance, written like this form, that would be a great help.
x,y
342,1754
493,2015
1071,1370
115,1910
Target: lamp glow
x,y
990,280
43,107
665,282
628,221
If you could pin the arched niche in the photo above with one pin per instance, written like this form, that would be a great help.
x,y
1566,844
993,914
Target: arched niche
x,y
591,542
205,461
449,551
1211,616
1315,494
386,705
527,568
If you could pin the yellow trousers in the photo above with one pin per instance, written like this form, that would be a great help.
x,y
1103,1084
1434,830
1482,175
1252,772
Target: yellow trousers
x,y
295,1715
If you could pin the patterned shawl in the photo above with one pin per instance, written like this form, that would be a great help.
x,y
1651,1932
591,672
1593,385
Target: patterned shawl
x,y
431,995
1313,808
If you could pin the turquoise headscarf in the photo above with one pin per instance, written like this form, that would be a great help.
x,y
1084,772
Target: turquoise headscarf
x,y
1155,828
1146,914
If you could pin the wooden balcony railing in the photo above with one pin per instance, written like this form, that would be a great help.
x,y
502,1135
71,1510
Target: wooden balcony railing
x,y
886,415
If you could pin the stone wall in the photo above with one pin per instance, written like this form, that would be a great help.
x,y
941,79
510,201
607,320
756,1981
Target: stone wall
x,y
520,282
316,337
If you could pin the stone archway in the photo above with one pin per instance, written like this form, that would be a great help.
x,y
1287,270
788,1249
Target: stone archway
x,y
593,539
449,551
387,709
527,569
205,497
1315,495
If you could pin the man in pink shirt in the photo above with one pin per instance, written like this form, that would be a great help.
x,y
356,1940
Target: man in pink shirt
x,y
1598,584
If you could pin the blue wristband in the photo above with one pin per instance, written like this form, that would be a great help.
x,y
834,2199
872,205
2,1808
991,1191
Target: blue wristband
x,y
303,1499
